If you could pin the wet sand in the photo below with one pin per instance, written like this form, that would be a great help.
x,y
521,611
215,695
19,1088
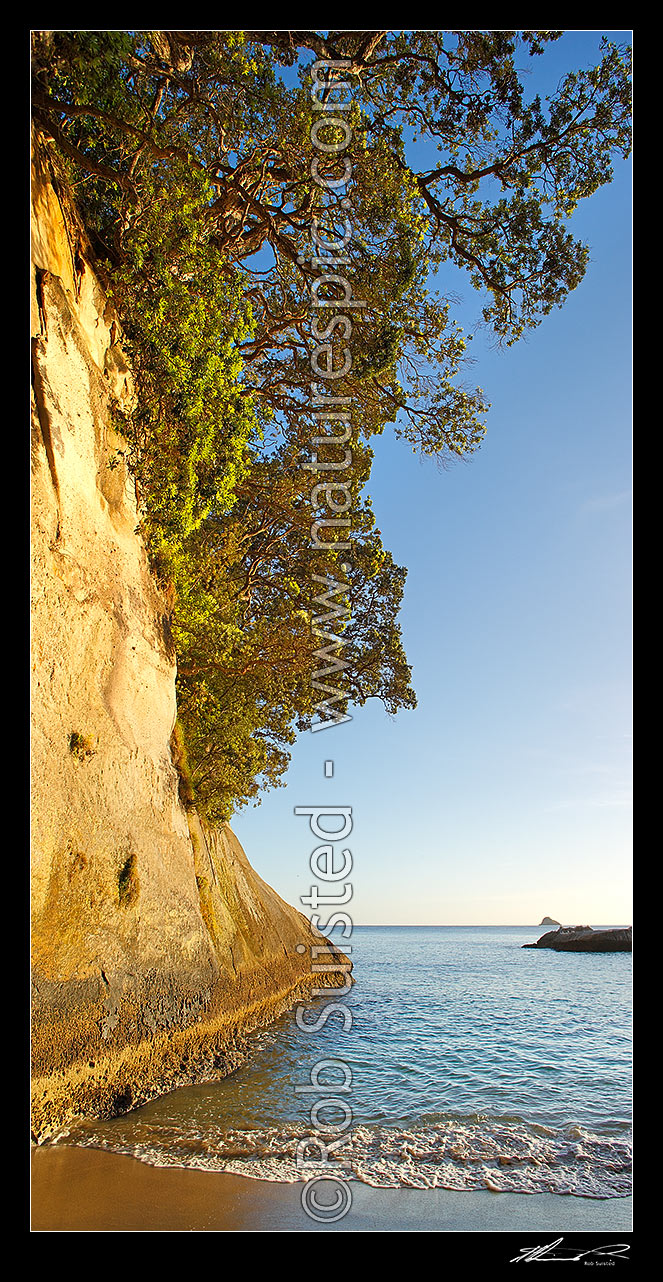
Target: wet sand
x,y
78,1189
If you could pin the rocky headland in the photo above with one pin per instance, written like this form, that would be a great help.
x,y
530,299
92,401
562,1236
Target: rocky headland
x,y
583,939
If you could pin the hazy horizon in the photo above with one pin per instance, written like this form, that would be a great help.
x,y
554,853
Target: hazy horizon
x,y
480,925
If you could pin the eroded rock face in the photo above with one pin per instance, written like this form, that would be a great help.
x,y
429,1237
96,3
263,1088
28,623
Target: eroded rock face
x,y
582,939
155,946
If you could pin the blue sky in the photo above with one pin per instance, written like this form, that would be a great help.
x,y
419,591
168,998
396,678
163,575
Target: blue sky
x,y
505,794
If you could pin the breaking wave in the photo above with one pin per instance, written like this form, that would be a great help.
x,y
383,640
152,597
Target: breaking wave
x,y
503,1155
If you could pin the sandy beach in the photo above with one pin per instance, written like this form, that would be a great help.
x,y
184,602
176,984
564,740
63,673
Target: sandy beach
x,y
88,1190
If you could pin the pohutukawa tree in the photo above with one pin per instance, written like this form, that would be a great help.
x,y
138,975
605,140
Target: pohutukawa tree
x,y
189,154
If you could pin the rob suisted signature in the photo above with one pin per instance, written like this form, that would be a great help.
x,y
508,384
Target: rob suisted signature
x,y
555,1251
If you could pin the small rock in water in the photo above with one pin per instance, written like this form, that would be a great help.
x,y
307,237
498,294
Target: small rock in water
x,y
583,939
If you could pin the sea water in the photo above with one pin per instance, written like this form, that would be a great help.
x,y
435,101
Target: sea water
x,y
470,1063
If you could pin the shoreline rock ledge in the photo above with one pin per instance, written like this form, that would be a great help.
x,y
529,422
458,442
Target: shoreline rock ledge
x,y
583,939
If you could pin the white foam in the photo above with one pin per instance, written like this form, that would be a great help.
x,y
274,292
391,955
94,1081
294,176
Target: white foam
x,y
508,1156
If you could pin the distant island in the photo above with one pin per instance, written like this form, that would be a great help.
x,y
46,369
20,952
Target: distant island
x,y
549,921
583,939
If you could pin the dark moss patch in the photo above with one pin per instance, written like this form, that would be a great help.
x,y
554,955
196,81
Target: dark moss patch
x,y
128,882
80,745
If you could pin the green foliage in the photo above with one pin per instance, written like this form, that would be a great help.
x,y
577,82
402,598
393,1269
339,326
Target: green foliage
x,y
188,155
184,322
247,633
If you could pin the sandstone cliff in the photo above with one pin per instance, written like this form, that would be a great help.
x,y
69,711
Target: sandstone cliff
x,y
156,947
